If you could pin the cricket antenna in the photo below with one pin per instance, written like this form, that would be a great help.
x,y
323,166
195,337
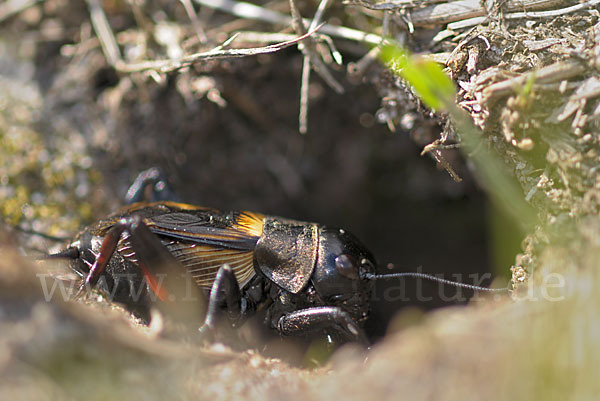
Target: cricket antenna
x,y
430,277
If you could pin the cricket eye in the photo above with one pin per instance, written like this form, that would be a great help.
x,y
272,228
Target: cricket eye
x,y
346,266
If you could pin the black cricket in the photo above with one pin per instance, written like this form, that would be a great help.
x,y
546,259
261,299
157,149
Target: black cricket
x,y
310,278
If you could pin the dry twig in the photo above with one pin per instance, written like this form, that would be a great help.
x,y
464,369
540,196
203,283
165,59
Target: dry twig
x,y
113,56
434,149
311,57
553,73
12,7
165,66
189,9
527,14
472,12
251,11
104,33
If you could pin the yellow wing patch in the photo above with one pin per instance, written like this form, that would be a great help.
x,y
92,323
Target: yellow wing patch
x,y
203,262
250,223
233,245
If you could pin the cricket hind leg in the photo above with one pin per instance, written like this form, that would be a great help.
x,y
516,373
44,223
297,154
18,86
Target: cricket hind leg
x,y
224,308
168,280
150,185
